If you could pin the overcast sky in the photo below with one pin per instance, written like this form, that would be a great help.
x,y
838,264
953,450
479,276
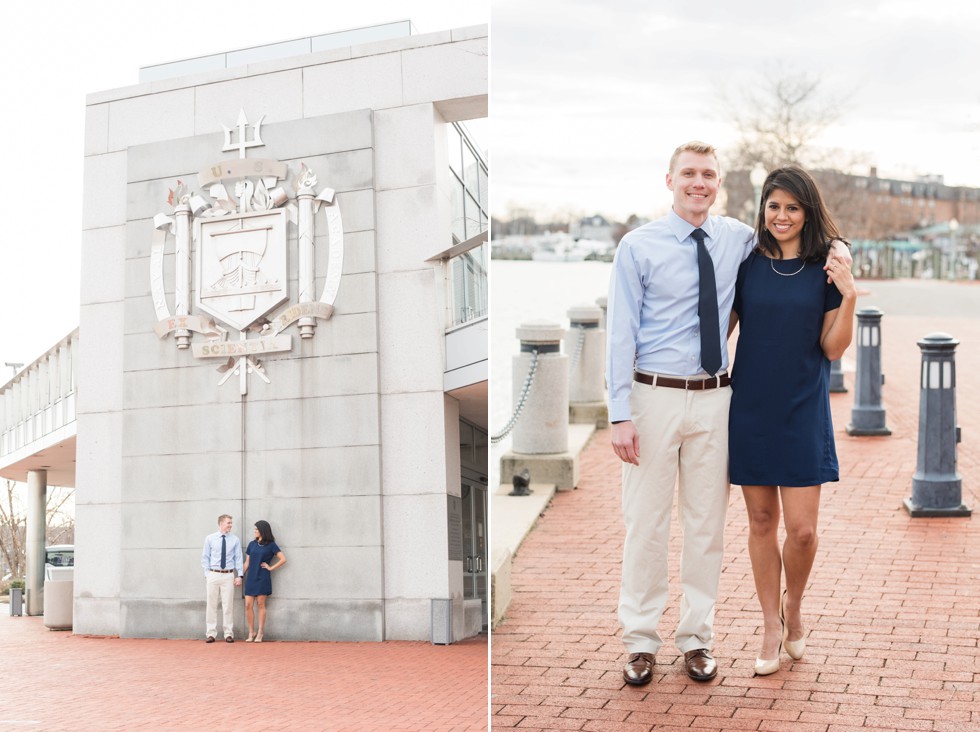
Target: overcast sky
x,y
53,55
590,97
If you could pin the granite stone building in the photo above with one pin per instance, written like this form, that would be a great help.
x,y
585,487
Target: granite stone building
x,y
284,317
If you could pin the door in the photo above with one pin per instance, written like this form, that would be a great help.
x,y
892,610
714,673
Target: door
x,y
475,543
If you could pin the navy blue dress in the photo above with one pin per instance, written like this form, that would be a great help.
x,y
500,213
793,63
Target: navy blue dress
x,y
780,430
258,580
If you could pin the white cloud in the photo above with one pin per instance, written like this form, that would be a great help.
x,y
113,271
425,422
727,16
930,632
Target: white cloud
x,y
601,92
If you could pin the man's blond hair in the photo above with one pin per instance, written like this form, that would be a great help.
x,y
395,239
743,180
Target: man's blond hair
x,y
694,146
222,517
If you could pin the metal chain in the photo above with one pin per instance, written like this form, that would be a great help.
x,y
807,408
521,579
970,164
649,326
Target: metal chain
x,y
521,400
578,350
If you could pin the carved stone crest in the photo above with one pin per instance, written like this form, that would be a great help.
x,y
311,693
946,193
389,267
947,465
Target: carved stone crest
x,y
239,224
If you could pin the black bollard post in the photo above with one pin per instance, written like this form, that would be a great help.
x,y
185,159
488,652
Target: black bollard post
x,y
867,415
837,378
937,489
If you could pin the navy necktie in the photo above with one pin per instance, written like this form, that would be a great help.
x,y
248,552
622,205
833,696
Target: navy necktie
x,y
707,308
223,550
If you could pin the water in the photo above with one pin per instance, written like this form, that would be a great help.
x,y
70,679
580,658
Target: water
x,y
521,291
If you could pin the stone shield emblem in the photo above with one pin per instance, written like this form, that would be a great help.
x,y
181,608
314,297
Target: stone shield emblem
x,y
241,265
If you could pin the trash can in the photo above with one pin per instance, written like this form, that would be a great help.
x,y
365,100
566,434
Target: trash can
x,y
441,622
16,601
58,599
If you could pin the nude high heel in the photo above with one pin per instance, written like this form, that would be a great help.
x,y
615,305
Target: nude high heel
x,y
794,649
766,666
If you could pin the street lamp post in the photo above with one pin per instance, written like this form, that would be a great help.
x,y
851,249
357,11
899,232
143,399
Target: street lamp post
x,y
953,226
758,177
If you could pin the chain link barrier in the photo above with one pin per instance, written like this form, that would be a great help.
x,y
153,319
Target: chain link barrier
x,y
577,353
521,400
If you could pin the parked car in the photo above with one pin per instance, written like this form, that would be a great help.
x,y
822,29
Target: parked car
x,y
59,561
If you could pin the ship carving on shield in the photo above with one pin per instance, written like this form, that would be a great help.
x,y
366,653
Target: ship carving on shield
x,y
241,222
243,268
240,253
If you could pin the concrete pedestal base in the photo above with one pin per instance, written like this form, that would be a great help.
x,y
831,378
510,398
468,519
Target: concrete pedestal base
x,y
867,421
916,511
855,431
595,413
560,468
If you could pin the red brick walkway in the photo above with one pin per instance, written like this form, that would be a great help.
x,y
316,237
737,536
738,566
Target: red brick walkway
x,y
893,607
58,681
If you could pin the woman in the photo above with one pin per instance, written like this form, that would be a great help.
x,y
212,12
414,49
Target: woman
x,y
793,323
258,575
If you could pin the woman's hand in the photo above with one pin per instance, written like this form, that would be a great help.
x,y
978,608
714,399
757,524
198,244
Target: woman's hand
x,y
264,565
839,272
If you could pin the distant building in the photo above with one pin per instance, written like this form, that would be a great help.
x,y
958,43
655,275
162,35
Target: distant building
x,y
596,228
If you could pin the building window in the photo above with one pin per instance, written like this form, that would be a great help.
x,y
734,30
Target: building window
x,y
469,285
469,197
470,192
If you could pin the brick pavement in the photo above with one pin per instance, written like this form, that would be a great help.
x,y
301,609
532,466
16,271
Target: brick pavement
x,y
893,607
58,681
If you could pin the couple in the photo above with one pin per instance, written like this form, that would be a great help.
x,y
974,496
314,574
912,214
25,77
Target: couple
x,y
678,287
225,569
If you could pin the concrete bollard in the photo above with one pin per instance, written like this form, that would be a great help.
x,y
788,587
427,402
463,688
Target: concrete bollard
x,y
867,415
603,304
543,424
937,489
585,346
837,378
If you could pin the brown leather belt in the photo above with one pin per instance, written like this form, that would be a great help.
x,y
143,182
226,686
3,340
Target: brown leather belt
x,y
711,382
223,571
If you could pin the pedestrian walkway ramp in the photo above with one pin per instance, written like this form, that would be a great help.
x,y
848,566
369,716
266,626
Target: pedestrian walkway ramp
x,y
37,416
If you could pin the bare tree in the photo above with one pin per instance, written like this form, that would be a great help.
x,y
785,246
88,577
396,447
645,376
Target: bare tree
x,y
60,528
13,524
779,120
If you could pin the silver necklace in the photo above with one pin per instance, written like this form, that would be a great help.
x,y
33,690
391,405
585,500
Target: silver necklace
x,y
785,274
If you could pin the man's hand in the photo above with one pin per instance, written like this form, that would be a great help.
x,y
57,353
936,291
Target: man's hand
x,y
626,442
238,581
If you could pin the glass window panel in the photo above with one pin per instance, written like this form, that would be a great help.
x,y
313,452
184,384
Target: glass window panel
x,y
455,145
484,189
472,216
456,204
470,169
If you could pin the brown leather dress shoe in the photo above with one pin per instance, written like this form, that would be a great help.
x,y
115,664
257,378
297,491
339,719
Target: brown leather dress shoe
x,y
639,669
700,665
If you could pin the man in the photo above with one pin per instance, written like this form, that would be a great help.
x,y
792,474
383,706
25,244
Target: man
x,y
668,403
223,570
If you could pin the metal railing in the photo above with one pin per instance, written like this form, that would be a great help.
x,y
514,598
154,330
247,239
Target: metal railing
x,y
40,398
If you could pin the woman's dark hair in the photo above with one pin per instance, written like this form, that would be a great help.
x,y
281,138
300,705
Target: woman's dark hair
x,y
265,532
819,229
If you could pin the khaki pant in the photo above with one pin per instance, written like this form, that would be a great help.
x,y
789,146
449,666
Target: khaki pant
x,y
683,442
220,585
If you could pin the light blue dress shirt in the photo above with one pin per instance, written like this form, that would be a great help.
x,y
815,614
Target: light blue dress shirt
x,y
211,556
652,317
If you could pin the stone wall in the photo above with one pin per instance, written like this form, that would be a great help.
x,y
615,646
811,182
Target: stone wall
x,y
345,451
